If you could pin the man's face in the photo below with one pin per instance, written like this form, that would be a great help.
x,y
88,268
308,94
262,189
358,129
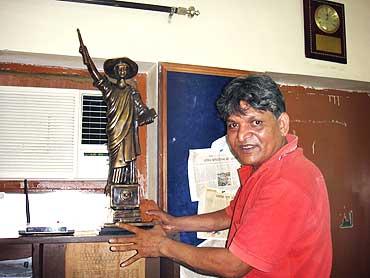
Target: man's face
x,y
256,135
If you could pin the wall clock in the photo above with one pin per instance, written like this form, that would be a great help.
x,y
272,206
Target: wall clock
x,y
324,30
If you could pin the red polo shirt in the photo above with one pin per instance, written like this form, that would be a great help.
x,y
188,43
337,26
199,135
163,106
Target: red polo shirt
x,y
281,219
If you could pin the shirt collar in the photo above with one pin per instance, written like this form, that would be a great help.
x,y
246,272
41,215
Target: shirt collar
x,y
246,170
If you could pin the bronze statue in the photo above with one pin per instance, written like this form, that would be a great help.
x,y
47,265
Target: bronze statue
x,y
125,113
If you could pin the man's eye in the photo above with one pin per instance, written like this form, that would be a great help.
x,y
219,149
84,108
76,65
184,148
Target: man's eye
x,y
232,125
256,123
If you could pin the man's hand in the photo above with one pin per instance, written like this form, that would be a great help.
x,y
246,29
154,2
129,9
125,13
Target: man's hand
x,y
167,221
147,243
150,212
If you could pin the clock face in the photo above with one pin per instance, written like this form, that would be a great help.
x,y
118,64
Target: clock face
x,y
327,19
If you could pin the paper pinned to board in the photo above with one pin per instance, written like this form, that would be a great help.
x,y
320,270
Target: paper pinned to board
x,y
214,200
213,180
189,273
214,167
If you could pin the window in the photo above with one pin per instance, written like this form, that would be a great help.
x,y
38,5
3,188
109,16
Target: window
x,y
49,133
38,132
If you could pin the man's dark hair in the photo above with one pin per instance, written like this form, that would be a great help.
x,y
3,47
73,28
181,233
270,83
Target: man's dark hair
x,y
259,91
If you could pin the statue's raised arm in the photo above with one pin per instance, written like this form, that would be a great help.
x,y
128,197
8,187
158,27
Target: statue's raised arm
x,y
87,59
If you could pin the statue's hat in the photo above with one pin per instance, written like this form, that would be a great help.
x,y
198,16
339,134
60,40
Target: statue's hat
x,y
111,63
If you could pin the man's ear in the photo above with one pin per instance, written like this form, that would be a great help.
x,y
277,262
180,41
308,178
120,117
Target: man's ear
x,y
283,121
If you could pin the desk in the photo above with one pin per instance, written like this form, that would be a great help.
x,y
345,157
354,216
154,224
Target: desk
x,y
48,253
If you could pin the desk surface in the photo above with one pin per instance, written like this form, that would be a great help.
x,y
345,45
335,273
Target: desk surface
x,y
56,239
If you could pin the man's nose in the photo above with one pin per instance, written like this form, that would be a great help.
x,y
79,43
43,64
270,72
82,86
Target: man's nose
x,y
244,133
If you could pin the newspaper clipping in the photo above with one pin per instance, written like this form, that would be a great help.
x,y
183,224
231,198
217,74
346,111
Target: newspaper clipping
x,y
213,180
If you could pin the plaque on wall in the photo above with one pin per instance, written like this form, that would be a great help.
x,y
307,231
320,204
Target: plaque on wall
x,y
325,32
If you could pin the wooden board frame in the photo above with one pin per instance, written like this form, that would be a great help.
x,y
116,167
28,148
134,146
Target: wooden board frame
x,y
165,69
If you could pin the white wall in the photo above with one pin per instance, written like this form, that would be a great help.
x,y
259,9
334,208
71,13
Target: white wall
x,y
263,35
80,211
257,35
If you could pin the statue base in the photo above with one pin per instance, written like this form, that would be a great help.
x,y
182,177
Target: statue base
x,y
127,208
127,216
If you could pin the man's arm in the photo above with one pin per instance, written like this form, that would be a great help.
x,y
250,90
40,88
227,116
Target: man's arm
x,y
206,260
213,221
155,243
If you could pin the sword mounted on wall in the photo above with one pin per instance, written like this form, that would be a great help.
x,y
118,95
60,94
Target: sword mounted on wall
x,y
190,12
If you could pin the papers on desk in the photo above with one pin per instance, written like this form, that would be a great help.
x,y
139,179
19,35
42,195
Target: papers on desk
x,y
21,268
46,231
213,180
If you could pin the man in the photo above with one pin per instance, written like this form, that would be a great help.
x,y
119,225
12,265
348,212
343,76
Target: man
x,y
279,219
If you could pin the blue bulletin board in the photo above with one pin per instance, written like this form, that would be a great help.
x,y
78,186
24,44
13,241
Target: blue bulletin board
x,y
188,120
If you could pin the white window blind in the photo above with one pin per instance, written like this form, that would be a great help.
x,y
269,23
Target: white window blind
x,y
38,132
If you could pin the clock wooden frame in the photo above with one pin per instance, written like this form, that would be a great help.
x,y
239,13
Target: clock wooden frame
x,y
321,45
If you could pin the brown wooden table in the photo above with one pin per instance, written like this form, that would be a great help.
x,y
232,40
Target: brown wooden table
x,y
48,253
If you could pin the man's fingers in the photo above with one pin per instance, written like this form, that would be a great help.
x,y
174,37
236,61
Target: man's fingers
x,y
127,239
130,260
154,212
123,247
128,227
157,215
167,227
123,240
